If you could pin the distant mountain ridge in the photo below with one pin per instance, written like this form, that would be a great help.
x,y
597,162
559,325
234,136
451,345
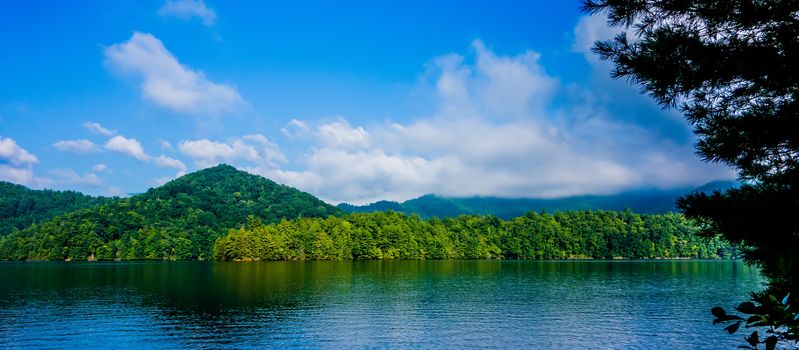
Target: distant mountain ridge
x,y
644,202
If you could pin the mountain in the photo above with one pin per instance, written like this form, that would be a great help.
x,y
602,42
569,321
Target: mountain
x,y
20,206
179,220
645,202
713,186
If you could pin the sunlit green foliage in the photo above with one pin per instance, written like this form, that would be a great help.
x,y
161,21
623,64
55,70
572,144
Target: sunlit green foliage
x,y
180,220
392,235
232,215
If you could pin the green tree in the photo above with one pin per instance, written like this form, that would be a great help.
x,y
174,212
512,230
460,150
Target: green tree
x,y
732,68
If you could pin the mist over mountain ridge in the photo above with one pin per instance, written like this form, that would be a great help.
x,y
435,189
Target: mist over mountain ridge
x,y
649,201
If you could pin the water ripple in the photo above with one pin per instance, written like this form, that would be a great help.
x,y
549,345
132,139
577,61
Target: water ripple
x,y
344,305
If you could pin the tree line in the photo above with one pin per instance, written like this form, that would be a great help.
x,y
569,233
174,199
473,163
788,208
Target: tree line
x,y
393,235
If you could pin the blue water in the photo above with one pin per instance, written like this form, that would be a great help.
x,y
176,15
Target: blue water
x,y
371,304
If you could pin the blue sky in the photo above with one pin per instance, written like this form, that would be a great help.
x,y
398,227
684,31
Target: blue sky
x,y
351,101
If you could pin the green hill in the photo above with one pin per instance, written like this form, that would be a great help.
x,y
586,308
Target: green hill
x,y
21,207
179,220
644,202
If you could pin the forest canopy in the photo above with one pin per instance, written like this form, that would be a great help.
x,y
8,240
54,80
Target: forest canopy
x,y
392,235
21,207
227,214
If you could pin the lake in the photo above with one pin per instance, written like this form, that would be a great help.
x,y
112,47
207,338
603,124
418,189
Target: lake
x,y
371,304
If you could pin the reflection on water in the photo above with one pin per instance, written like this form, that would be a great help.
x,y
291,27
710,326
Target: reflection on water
x,y
344,304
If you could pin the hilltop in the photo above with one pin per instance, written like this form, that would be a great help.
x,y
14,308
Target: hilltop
x,y
21,207
179,220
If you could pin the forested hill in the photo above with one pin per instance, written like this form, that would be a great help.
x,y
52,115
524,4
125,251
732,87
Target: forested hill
x,y
179,220
644,202
20,206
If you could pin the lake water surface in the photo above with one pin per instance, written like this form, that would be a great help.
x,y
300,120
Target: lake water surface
x,y
371,304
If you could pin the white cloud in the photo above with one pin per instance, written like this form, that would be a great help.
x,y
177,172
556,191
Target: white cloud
x,y
167,82
510,86
12,154
133,148
76,146
167,162
162,180
127,146
115,192
187,9
257,138
96,128
249,149
501,126
296,129
362,176
17,175
70,177
340,134
589,30
99,168
16,163
496,132
165,145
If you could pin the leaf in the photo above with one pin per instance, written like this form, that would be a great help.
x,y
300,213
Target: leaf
x,y
747,307
719,312
771,342
755,318
733,327
753,339
785,300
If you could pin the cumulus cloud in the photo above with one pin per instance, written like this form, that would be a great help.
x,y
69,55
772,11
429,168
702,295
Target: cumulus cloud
x,y
16,163
296,129
131,147
167,162
70,177
18,175
495,132
340,134
115,192
590,29
501,125
254,150
188,9
165,145
160,181
76,146
167,82
98,129
99,168
11,153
